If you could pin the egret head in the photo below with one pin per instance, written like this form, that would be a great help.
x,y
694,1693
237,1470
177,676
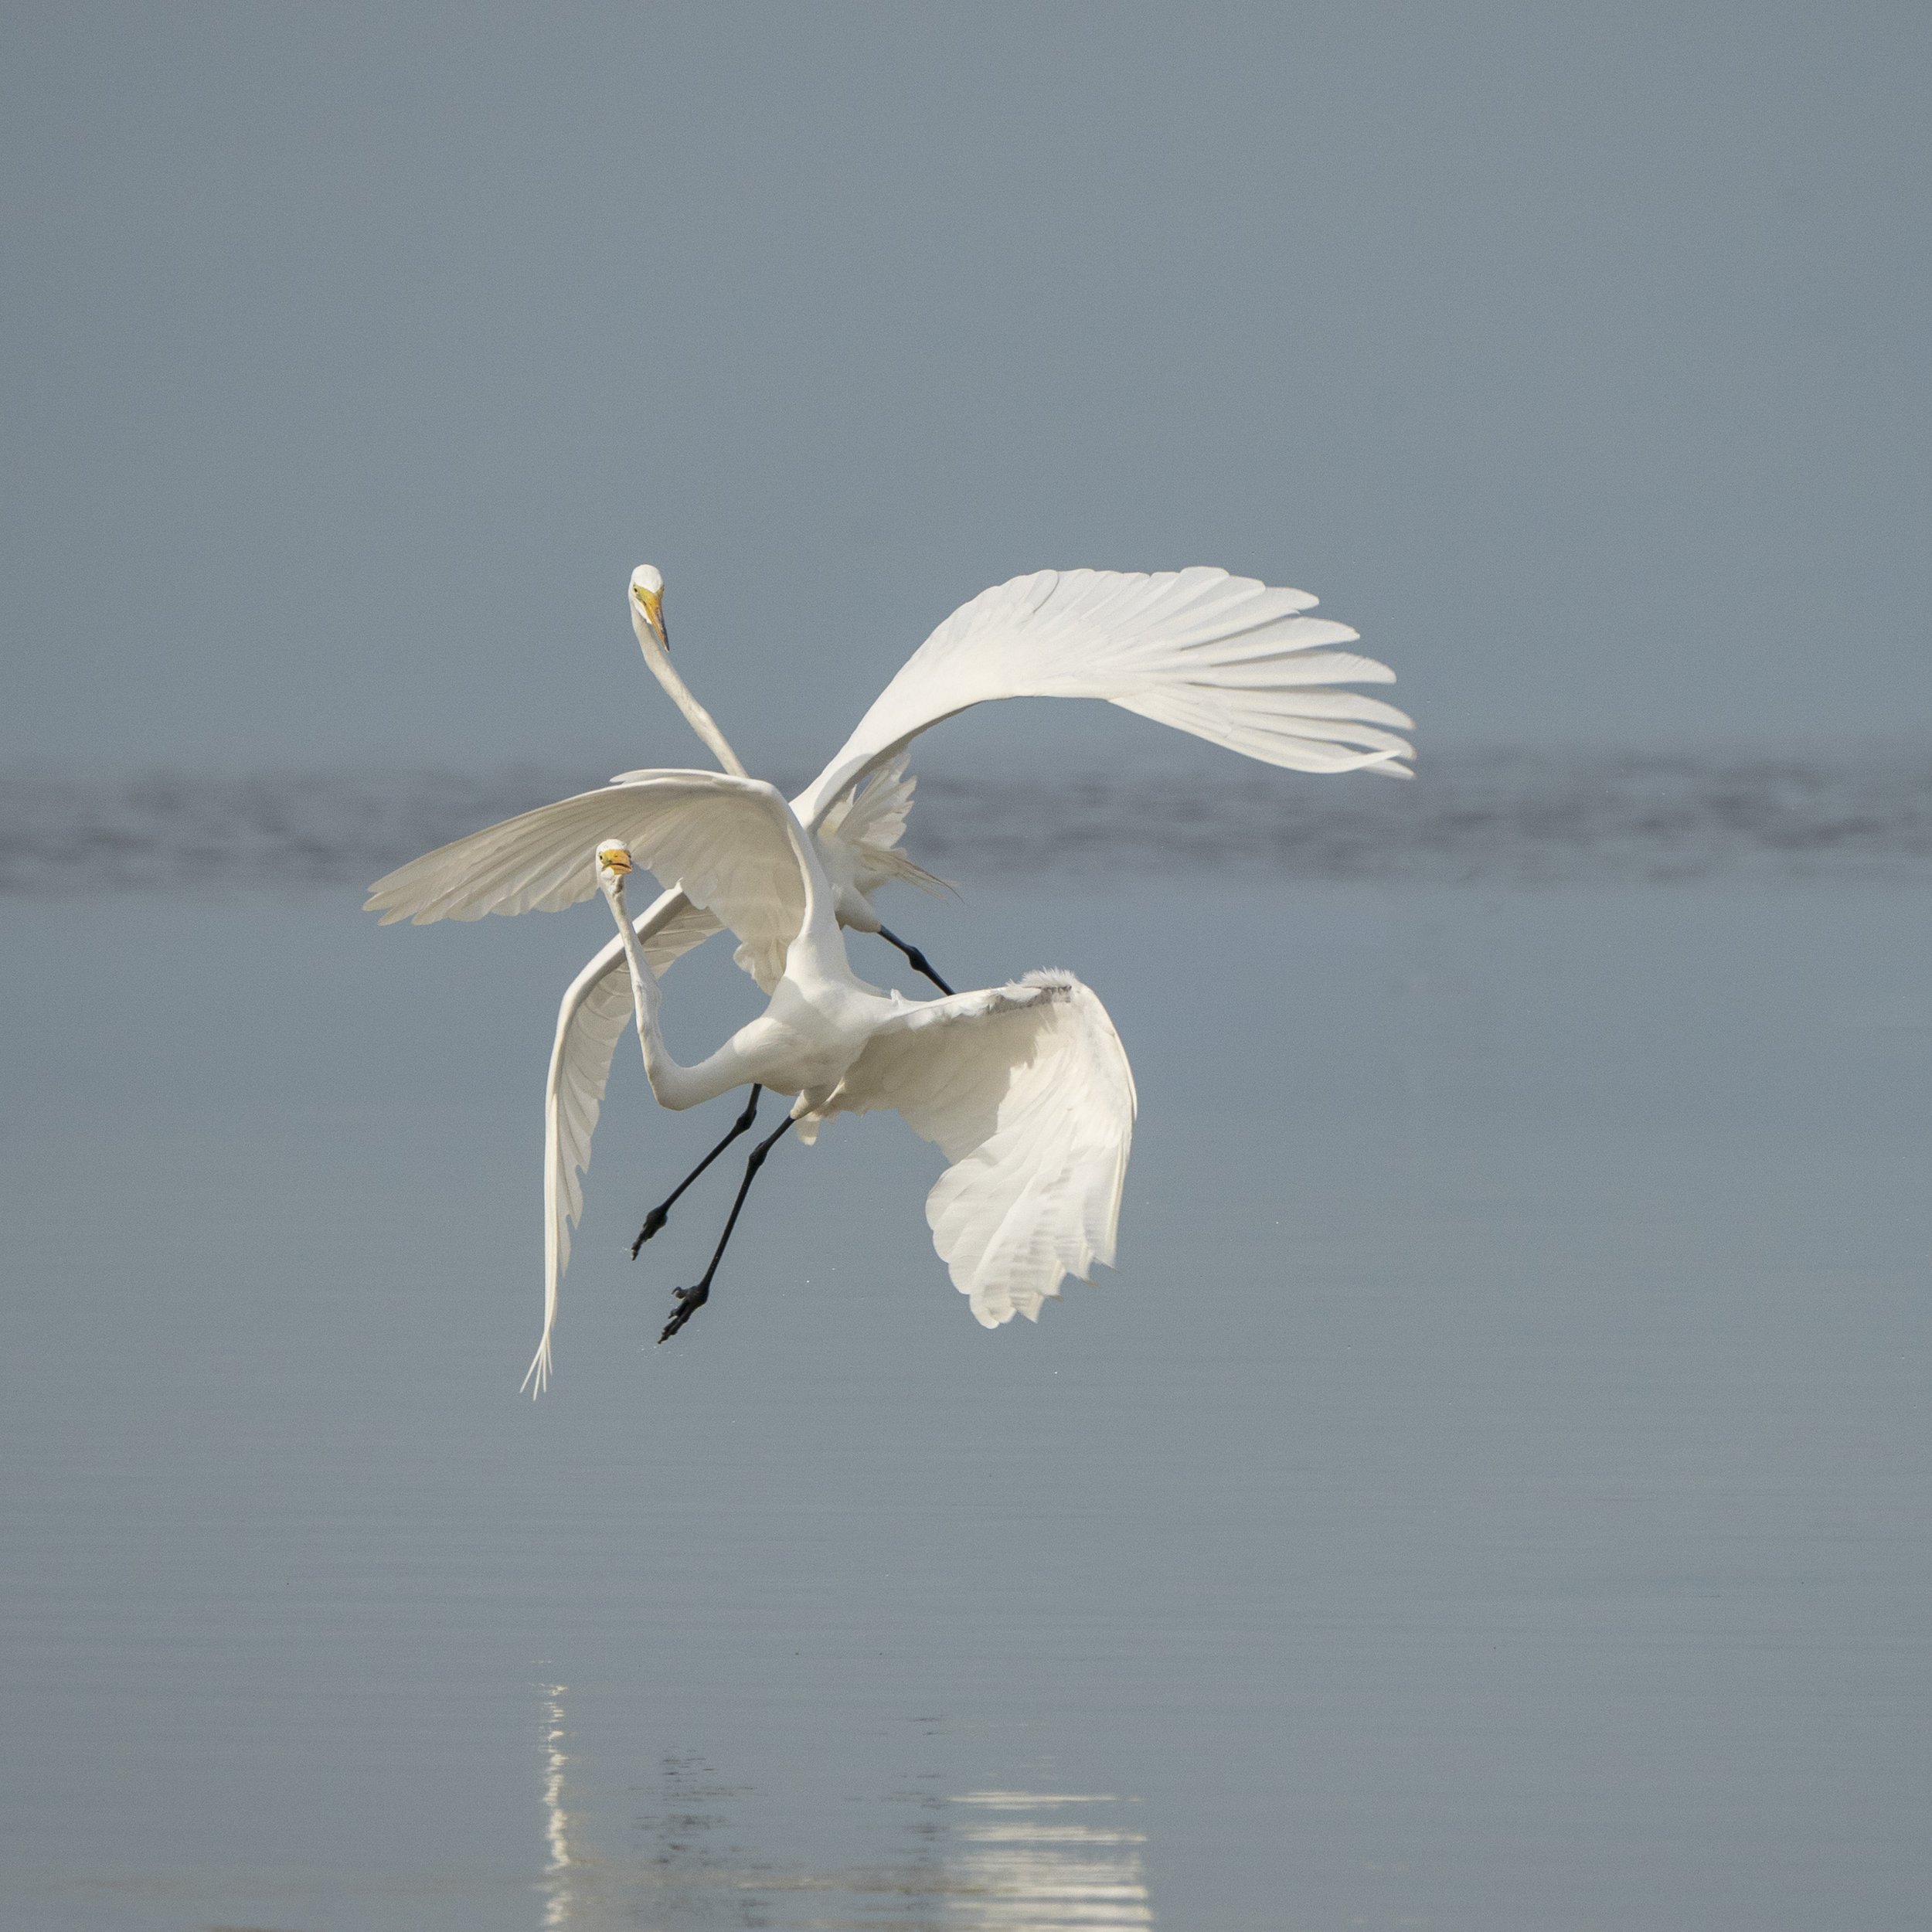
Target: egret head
x,y
646,602
614,860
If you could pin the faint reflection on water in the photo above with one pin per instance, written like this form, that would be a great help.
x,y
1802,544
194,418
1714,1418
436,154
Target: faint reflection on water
x,y
556,1820
1031,1866
992,1861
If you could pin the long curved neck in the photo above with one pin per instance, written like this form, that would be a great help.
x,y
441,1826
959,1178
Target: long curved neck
x,y
818,930
699,719
675,1087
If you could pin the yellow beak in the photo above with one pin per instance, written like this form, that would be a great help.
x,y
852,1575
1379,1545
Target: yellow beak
x,y
614,859
651,604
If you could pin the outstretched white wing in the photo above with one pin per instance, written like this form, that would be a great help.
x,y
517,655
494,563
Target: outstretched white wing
x,y
1027,1091
589,1023
724,848
724,840
1228,659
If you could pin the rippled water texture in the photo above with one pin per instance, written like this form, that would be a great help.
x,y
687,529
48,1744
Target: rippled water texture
x,y
1490,1495
1503,817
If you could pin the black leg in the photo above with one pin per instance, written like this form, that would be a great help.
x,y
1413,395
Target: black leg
x,y
662,1212
691,1299
914,958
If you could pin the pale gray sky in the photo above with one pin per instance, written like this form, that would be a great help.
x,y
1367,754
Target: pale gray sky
x,y
1576,355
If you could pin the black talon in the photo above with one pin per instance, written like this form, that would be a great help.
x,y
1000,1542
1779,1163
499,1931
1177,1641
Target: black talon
x,y
689,1301
915,958
662,1212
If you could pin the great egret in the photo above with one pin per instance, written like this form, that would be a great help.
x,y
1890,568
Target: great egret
x,y
1227,658
857,845
1025,1087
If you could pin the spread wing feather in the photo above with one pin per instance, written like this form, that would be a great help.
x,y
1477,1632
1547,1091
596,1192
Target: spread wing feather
x,y
723,840
722,844
1026,1090
1231,659
590,1021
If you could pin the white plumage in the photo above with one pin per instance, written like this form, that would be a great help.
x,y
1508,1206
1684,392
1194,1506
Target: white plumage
x,y
1026,1090
1230,659
1025,1087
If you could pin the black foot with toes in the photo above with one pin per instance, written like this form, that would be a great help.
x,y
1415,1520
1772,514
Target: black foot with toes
x,y
652,1222
689,1301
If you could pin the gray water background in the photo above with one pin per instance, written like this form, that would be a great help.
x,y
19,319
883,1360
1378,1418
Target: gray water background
x,y
1491,1494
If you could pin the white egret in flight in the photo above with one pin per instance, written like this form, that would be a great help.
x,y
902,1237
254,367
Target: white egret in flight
x,y
1226,658
1025,1087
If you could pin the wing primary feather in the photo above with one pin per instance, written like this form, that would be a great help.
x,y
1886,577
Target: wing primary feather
x,y
591,1020
1129,638
1026,1090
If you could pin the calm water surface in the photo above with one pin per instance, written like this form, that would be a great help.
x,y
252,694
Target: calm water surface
x,y
1490,1495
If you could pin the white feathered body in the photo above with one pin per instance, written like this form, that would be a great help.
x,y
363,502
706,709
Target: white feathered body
x,y
808,1037
1228,659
